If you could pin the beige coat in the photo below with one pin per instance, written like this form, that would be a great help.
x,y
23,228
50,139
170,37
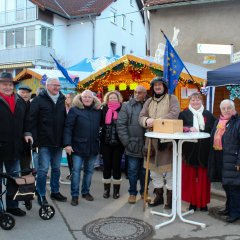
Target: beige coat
x,y
167,107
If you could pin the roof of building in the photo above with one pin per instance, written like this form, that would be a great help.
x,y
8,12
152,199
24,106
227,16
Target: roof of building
x,y
73,8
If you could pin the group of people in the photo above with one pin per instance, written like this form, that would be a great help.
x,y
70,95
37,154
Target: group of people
x,y
85,128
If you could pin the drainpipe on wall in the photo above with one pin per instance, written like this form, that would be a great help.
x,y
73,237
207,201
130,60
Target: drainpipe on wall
x,y
93,36
147,32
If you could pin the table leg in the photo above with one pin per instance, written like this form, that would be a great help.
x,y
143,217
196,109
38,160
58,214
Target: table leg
x,y
179,188
173,213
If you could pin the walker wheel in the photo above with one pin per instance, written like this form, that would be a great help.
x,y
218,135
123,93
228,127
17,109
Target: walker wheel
x,y
46,212
7,222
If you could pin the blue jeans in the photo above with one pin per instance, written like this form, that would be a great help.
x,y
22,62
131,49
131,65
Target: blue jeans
x,y
135,172
53,156
88,168
12,168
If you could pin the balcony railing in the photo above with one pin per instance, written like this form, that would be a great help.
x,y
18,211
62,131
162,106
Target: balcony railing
x,y
26,54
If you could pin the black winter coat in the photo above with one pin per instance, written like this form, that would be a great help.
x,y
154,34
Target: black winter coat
x,y
230,153
109,134
12,128
196,154
47,120
82,127
129,130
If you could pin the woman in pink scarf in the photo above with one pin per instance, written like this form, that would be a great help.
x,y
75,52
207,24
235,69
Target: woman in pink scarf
x,y
224,160
111,147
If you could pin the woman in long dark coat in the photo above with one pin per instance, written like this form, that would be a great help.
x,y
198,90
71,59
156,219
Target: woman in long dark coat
x,y
195,182
224,158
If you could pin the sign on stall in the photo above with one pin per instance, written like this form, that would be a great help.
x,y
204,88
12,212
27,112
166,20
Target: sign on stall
x,y
236,57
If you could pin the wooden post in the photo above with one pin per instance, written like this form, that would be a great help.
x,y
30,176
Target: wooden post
x,y
146,176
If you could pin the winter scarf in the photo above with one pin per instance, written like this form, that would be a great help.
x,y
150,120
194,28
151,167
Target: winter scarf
x,y
198,120
221,128
112,113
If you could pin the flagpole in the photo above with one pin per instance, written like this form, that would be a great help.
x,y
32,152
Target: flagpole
x,y
182,62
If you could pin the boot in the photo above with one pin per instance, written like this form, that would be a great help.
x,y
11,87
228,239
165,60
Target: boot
x,y
116,188
106,193
169,200
158,200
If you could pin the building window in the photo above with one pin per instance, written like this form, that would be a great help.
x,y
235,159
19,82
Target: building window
x,y
2,45
49,37
113,48
30,36
19,37
31,11
124,21
2,12
131,26
10,38
46,36
123,50
12,11
20,9
113,18
43,36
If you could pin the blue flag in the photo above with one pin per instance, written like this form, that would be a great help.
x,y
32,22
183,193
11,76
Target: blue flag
x,y
64,71
173,66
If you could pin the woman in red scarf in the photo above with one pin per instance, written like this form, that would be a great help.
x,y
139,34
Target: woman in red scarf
x,y
224,160
111,147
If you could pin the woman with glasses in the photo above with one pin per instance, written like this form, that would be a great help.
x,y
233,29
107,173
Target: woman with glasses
x,y
224,160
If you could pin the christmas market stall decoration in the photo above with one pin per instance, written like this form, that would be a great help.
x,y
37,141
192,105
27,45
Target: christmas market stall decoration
x,y
35,78
129,71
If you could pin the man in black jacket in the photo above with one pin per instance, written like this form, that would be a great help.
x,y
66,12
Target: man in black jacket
x,y
131,135
47,118
13,113
25,93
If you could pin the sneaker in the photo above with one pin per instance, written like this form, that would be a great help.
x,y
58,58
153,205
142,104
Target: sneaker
x,y
74,201
58,197
88,197
16,212
132,199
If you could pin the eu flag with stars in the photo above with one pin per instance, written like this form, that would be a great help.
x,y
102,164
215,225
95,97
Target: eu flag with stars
x,y
173,66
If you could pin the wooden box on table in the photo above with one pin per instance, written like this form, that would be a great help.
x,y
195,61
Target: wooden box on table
x,y
167,125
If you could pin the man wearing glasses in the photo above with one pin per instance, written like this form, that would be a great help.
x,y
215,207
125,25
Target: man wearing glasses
x,y
47,118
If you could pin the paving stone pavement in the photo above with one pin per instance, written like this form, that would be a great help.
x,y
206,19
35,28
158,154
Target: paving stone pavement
x,y
68,222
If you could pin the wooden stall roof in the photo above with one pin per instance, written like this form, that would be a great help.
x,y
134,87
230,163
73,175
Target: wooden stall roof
x,y
148,69
27,74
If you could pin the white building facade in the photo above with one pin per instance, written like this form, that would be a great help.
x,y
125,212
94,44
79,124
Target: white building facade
x,y
29,33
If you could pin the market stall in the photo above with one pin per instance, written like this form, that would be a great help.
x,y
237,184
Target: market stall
x,y
35,78
129,71
226,84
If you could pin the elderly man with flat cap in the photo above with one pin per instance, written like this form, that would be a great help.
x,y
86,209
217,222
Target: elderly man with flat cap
x,y
25,92
13,113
